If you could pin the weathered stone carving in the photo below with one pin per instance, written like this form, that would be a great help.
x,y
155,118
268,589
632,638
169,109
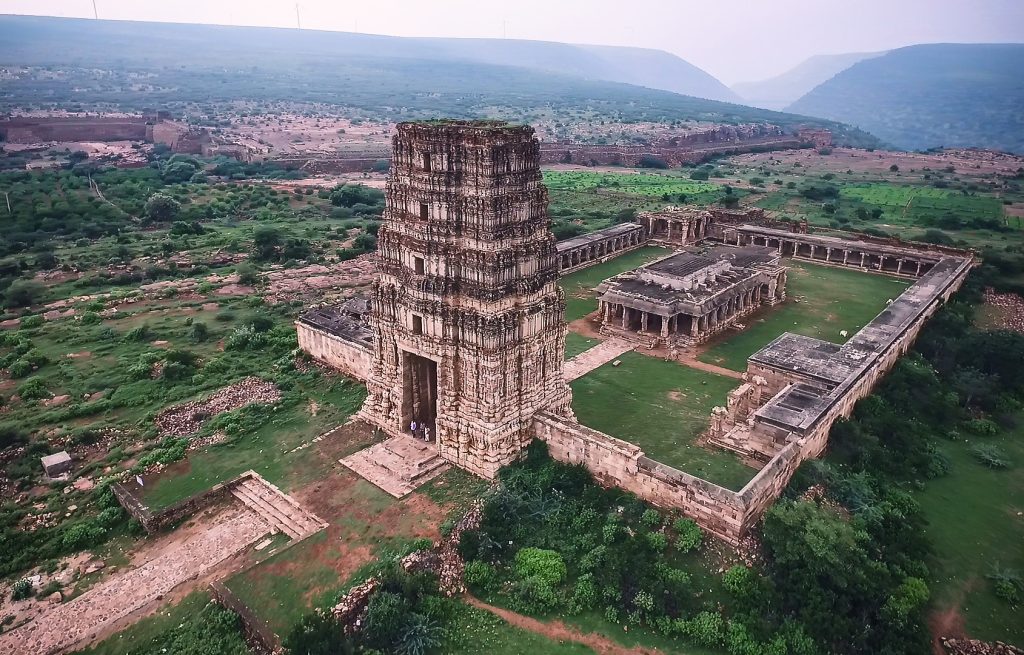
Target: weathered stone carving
x,y
467,319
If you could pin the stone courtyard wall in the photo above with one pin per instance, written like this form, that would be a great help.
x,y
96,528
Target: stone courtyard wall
x,y
349,357
617,463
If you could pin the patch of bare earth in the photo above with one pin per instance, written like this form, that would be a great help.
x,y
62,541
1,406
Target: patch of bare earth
x,y
286,284
1003,311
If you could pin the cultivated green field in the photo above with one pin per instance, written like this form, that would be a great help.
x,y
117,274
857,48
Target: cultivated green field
x,y
630,183
975,525
821,301
580,299
662,407
915,203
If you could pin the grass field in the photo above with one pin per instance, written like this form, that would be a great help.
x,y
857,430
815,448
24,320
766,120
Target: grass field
x,y
145,631
821,301
267,449
580,299
630,183
577,343
478,632
662,407
974,517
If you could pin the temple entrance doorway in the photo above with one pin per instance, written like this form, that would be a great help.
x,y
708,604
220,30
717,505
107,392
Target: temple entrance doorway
x,y
419,393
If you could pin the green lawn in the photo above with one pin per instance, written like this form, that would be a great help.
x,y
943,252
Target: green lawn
x,y
821,302
974,517
580,299
662,407
577,343
266,450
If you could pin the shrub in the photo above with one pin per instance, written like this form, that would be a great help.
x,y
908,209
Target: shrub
x,y
247,274
21,589
31,321
33,389
982,427
706,629
738,580
547,565
658,541
23,293
480,575
650,518
81,535
91,318
19,369
533,595
688,535
699,175
584,595
1006,591
139,333
199,332
990,455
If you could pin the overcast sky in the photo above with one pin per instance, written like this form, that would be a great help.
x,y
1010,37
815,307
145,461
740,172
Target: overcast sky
x,y
734,40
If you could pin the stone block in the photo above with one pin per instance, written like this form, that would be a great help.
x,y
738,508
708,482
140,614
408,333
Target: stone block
x,y
57,464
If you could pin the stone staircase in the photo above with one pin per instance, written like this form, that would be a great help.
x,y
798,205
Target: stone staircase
x,y
276,507
398,465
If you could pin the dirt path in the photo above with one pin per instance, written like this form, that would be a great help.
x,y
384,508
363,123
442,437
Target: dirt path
x,y
89,615
693,362
597,356
558,631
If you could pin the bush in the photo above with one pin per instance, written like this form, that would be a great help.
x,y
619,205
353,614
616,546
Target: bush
x,y
91,318
23,293
688,535
247,274
81,535
198,332
699,175
547,565
990,455
22,589
33,389
738,580
706,629
480,575
19,369
31,321
651,518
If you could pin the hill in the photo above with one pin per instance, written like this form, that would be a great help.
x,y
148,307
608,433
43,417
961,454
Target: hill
x,y
782,90
933,95
192,68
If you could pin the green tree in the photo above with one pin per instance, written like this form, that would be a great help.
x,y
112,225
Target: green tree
x,y
162,208
23,293
265,242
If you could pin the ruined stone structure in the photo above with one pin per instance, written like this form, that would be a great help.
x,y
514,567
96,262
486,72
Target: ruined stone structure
x,y
588,249
467,317
465,331
910,260
26,129
339,336
686,298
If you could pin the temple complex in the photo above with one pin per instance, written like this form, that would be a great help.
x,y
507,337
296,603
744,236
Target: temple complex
x,y
464,334
467,317
686,298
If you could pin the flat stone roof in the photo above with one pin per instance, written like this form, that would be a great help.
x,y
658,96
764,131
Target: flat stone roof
x,y
597,236
838,367
339,321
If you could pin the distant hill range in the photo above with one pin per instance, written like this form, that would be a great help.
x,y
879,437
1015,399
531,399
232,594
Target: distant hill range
x,y
927,96
187,68
782,90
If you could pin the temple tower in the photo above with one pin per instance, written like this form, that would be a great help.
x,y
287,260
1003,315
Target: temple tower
x,y
468,319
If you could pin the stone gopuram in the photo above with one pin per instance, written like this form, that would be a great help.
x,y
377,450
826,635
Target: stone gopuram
x,y
467,317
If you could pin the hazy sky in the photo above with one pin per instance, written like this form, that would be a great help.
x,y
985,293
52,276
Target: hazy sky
x,y
734,40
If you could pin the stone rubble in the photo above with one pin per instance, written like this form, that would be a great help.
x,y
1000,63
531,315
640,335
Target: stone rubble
x,y
977,647
186,419
1012,318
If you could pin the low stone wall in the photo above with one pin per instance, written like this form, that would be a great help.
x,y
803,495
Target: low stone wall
x,y
257,633
157,521
617,463
349,357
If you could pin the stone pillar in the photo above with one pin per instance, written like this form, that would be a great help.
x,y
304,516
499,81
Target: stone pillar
x,y
918,272
846,255
862,260
643,321
828,254
625,317
607,311
899,267
664,327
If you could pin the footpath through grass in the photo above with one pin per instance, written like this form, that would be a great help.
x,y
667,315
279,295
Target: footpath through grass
x,y
662,407
580,298
821,302
975,524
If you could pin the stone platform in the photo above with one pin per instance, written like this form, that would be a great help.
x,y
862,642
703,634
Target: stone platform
x,y
398,465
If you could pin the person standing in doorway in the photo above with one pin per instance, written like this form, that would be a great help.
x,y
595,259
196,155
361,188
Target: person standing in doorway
x,y
412,428
426,433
